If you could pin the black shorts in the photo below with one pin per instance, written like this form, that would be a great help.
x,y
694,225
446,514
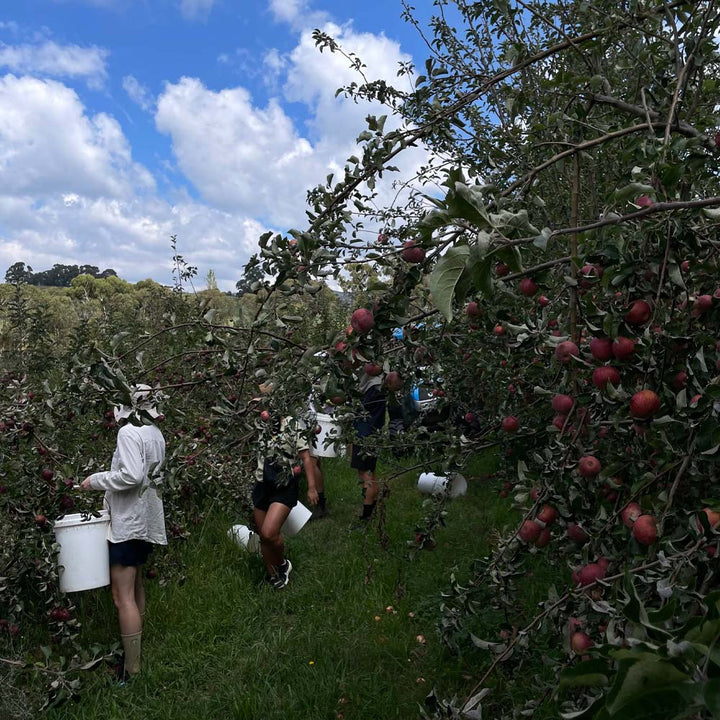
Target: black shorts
x,y
130,553
276,487
372,420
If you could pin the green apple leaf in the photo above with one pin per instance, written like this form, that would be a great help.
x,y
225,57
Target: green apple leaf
x,y
445,277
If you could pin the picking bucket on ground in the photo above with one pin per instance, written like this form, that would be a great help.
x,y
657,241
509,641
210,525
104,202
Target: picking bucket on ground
x,y
329,429
298,516
83,561
244,536
432,484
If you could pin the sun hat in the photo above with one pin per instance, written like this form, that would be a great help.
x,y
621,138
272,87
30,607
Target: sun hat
x,y
142,402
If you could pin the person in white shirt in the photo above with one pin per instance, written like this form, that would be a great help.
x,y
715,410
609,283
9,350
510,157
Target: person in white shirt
x,y
137,519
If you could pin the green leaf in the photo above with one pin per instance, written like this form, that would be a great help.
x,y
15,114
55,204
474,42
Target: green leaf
x,y
480,271
632,191
591,673
445,277
467,203
664,703
647,673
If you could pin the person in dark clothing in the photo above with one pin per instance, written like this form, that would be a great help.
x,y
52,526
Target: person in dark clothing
x,y
372,420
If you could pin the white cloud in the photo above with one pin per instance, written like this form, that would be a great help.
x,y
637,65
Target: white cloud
x,y
70,191
51,59
48,144
314,78
251,160
297,13
138,93
196,9
241,158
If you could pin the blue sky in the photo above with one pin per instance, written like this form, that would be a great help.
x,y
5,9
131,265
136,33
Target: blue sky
x,y
123,122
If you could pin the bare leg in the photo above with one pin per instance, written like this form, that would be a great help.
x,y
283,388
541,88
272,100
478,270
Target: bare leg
x,y
122,583
272,545
370,486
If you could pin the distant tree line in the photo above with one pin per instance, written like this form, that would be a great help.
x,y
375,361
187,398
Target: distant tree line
x,y
57,276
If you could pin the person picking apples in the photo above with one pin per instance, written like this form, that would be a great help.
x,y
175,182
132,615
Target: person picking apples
x,y
372,420
137,520
275,492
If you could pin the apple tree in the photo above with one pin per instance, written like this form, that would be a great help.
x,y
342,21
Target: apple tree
x,y
558,259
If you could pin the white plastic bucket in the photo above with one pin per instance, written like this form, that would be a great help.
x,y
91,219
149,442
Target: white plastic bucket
x,y
329,429
432,484
298,516
244,536
83,561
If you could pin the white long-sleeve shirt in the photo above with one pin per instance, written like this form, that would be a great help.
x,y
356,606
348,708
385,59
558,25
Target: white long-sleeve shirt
x,y
136,510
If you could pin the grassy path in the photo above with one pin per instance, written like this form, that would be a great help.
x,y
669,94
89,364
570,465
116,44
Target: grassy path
x,y
341,641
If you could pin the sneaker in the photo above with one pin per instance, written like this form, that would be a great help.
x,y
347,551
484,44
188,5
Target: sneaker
x,y
281,577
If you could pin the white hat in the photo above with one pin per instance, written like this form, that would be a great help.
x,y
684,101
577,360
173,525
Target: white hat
x,y
142,401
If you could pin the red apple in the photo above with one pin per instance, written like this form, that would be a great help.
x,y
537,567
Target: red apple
x,y
47,474
510,424
702,304
712,516
499,330
543,301
644,404
501,269
566,350
639,313
580,642
605,374
589,275
373,369
559,421
543,538
474,310
548,514
393,381
412,253
589,466
590,573
529,531
645,530
362,321
601,348
623,347
679,381
528,287
630,513
644,201
562,404
264,415
576,533
469,418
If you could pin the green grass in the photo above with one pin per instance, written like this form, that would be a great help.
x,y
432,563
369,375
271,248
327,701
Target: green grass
x,y
222,645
